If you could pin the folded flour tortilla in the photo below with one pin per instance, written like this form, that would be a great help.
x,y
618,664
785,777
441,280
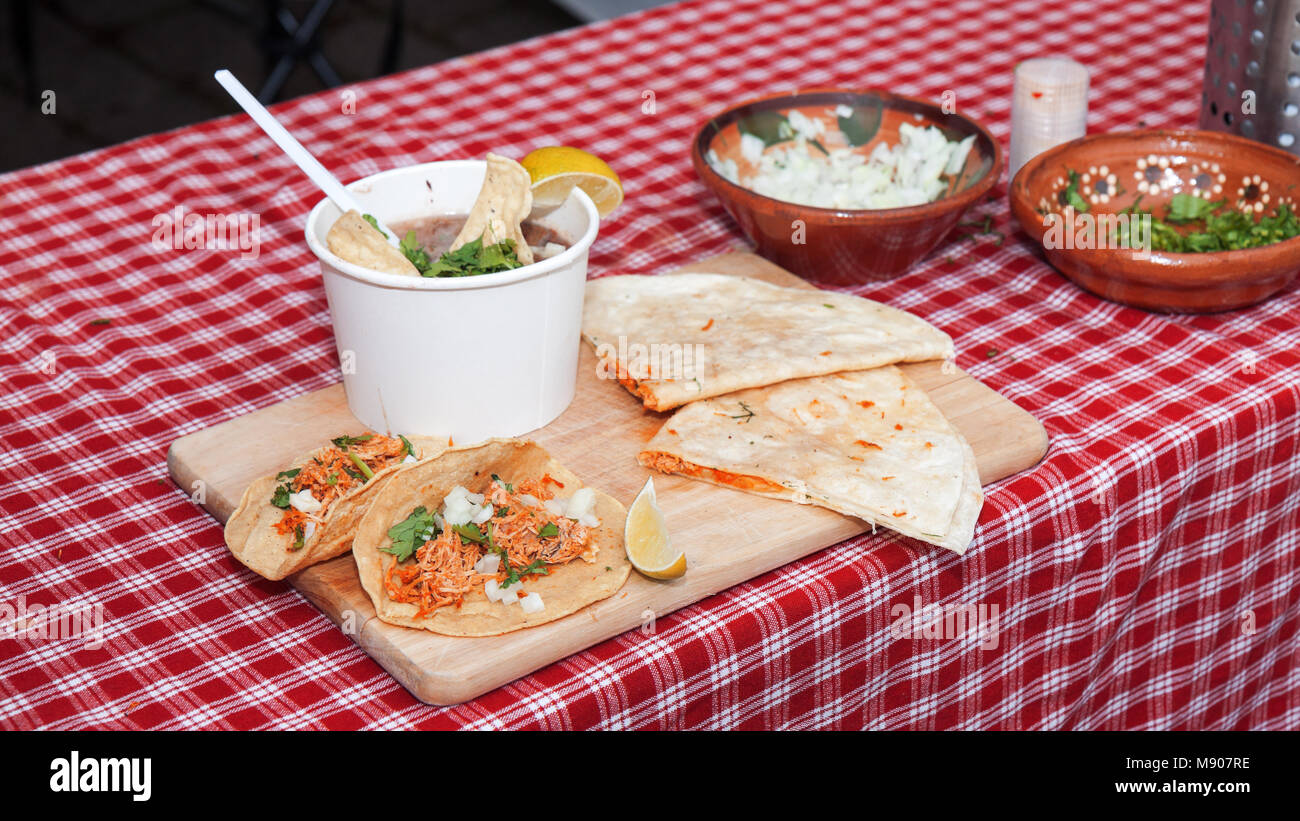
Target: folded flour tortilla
x,y
868,444
565,589
676,339
251,533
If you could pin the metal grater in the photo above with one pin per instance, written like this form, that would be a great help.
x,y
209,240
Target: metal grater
x,y
1253,58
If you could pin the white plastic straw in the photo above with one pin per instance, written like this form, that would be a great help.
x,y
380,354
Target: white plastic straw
x,y
301,156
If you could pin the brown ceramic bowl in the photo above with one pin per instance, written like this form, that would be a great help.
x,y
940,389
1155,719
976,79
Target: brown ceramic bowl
x,y
1115,169
843,247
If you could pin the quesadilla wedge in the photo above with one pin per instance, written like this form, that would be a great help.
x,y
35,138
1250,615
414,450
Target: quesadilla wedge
x,y
487,539
307,513
868,444
677,339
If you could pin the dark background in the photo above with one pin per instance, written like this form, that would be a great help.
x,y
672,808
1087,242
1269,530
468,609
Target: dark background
x,y
124,68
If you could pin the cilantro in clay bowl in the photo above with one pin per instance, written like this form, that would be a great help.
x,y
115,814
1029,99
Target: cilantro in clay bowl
x,y
1169,221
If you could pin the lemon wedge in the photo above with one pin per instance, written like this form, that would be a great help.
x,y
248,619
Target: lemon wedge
x,y
645,537
557,169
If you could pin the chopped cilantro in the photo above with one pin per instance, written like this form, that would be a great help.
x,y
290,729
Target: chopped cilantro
x,y
536,567
548,531
408,535
345,442
471,259
746,413
374,223
470,533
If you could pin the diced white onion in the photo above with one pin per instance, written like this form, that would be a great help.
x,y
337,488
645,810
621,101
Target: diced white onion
x,y
458,512
410,459
304,501
483,515
554,507
307,530
532,603
492,590
488,563
508,596
582,502
588,520
530,499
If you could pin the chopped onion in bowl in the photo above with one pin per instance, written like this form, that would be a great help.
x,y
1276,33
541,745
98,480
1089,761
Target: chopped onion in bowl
x,y
811,169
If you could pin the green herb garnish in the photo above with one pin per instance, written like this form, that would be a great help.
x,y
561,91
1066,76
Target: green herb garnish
x,y
470,533
300,538
1070,194
536,567
374,223
509,487
345,442
362,466
548,531
280,498
1231,230
746,413
471,259
408,535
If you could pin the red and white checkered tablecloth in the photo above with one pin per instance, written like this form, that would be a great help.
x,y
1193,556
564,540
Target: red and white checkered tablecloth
x,y
1144,573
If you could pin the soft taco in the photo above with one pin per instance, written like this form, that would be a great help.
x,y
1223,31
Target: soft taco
x,y
680,338
487,539
306,513
869,444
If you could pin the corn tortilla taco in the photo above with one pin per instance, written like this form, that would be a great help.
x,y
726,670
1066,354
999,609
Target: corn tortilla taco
x,y
307,513
487,539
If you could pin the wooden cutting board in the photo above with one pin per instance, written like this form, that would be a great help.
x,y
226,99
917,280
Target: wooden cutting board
x,y
729,536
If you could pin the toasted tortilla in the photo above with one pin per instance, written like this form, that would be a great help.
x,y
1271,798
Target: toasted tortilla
x,y
730,333
250,530
503,203
868,444
357,241
568,588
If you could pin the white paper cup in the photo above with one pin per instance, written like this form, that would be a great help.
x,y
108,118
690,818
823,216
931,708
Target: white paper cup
x,y
466,357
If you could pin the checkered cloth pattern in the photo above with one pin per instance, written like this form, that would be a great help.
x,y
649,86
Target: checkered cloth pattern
x,y
1143,574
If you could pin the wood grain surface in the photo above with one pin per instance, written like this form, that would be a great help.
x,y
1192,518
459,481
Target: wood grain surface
x,y
729,536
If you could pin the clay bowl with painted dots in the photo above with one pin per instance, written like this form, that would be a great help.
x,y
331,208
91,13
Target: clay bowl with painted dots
x,y
1114,171
832,246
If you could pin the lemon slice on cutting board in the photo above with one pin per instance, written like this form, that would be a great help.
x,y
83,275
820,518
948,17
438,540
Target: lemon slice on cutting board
x,y
646,540
557,169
